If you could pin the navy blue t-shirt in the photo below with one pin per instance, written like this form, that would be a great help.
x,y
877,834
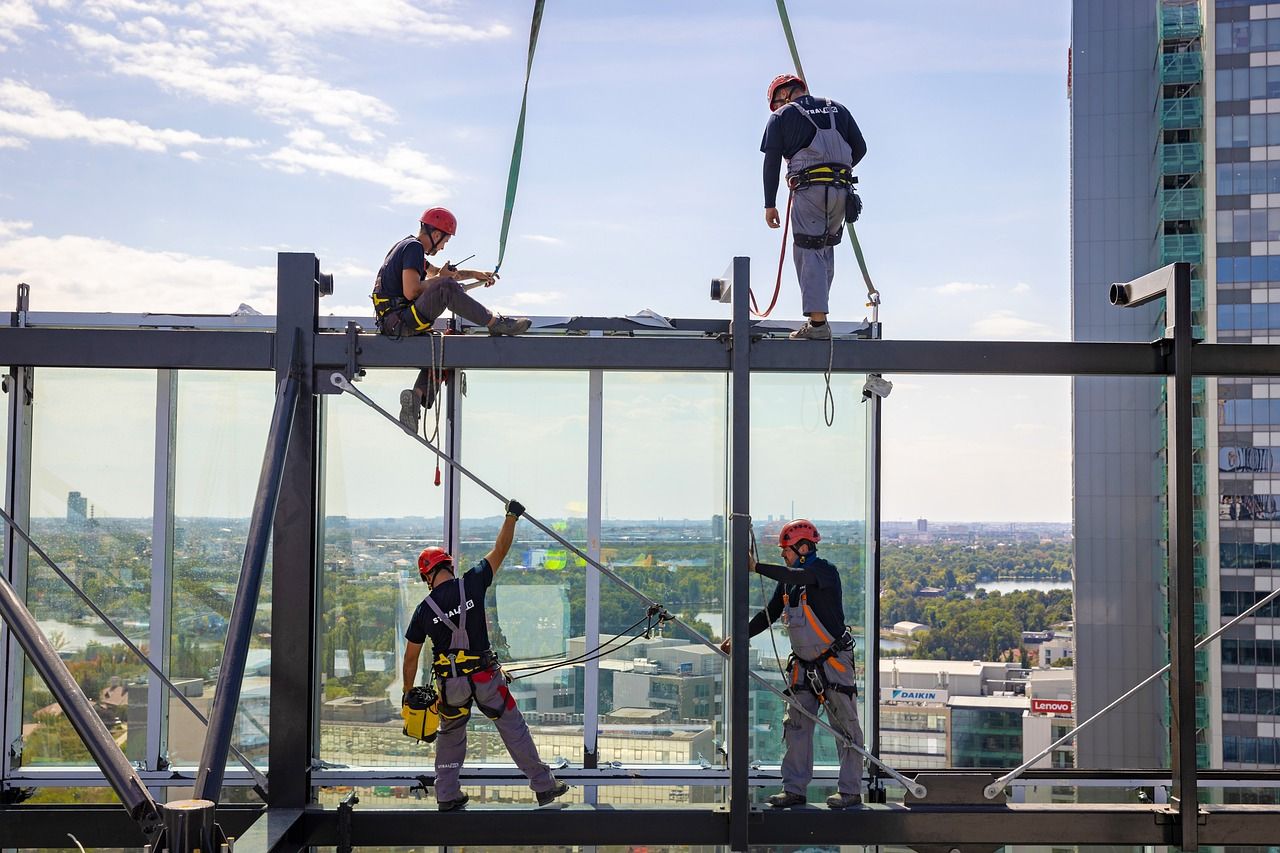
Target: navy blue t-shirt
x,y
818,579
425,623
788,132
408,254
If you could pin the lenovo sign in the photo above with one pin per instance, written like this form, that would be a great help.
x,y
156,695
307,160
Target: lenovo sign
x,y
1051,706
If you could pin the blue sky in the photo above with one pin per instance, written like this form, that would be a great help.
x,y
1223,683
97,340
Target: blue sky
x,y
156,154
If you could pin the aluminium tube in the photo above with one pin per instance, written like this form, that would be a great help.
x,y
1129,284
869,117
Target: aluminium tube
x,y
226,697
79,710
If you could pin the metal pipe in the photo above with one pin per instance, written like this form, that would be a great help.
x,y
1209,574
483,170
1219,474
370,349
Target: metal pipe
x,y
79,711
190,826
240,627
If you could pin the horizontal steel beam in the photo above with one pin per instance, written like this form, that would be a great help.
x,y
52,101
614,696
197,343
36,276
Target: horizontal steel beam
x,y
93,826
954,826
194,349
271,830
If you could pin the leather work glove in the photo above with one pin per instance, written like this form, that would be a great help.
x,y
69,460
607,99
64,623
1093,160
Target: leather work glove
x,y
514,507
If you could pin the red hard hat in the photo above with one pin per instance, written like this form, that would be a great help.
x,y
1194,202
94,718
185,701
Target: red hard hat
x,y
795,532
440,219
781,82
430,558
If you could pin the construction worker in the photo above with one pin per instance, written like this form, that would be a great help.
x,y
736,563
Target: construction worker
x,y
820,669
821,143
466,670
410,293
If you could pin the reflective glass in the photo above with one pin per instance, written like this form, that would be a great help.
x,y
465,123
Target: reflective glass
x,y
662,698
220,433
525,434
91,505
381,508
802,468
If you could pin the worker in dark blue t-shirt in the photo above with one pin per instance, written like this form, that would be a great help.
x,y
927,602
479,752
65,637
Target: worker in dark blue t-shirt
x,y
410,293
466,670
820,669
821,143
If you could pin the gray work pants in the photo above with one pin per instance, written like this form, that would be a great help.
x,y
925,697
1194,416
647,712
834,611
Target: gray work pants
x,y
797,734
816,210
451,743
445,294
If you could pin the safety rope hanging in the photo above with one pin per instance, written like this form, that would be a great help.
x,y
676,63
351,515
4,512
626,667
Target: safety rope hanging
x,y
517,150
917,789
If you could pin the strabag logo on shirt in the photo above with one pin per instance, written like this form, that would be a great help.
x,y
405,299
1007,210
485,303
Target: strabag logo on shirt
x,y
471,605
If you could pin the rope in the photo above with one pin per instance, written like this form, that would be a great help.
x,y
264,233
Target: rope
x,y
791,39
517,150
257,774
341,383
542,666
829,400
777,285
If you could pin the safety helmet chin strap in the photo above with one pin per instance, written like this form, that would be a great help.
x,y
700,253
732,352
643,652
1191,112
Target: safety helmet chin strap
x,y
435,239
441,567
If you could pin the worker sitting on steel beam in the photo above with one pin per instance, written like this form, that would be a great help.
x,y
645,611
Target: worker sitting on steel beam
x,y
409,294
820,669
466,670
821,143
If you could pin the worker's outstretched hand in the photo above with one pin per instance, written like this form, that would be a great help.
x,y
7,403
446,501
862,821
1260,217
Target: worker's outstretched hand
x,y
751,560
771,217
727,645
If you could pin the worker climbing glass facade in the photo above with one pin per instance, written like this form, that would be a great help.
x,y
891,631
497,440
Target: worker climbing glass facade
x,y
820,670
409,293
466,671
821,144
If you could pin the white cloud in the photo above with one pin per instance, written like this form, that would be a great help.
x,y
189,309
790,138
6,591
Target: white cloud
x,y
126,279
1005,324
955,287
527,299
1021,287
544,238
16,15
12,142
34,114
409,175
191,155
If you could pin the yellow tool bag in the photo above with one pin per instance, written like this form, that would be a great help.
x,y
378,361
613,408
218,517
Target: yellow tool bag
x,y
421,715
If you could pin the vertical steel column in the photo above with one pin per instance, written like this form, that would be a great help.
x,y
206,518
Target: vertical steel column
x,y
595,471
19,384
162,512
871,698
1182,640
740,507
294,582
453,446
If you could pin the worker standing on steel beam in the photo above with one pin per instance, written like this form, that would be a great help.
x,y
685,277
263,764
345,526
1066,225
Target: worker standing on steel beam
x,y
820,669
821,143
466,670
410,293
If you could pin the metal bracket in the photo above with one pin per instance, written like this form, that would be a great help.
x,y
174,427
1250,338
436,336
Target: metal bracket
x,y
955,789
353,372
13,796
1169,816
345,808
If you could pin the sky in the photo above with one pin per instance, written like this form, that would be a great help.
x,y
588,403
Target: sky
x,y
157,154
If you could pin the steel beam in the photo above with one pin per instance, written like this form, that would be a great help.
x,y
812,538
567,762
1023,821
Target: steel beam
x,y
591,626
295,587
161,567
141,348
19,384
94,826
739,539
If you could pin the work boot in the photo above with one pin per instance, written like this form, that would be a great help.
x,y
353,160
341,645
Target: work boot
x,y
810,332
452,805
409,410
554,793
786,800
843,801
509,325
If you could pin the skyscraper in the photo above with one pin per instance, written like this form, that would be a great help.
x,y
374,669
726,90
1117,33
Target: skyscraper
x,y
1175,133
77,508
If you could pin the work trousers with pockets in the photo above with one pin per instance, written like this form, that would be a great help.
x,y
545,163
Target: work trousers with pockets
x,y
451,743
816,210
443,295
797,735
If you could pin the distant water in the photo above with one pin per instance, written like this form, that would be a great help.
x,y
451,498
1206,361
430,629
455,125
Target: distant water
x,y
1004,587
77,637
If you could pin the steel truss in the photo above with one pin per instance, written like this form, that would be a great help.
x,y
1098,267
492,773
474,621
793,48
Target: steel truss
x,y
292,820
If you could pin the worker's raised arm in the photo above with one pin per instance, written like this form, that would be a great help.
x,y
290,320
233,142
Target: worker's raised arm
x,y
506,535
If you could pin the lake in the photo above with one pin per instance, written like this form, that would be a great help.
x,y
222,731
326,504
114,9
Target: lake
x,y
1006,586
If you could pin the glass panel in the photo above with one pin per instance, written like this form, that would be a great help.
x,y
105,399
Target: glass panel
x,y
525,434
221,432
381,508
800,467
662,699
91,501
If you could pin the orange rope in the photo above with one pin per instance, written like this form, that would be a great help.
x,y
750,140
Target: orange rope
x,y
782,256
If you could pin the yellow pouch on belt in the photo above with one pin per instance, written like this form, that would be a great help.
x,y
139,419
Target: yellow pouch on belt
x,y
420,714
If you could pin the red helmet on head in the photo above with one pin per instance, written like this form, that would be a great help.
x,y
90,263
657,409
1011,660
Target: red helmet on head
x,y
781,82
795,532
430,559
440,219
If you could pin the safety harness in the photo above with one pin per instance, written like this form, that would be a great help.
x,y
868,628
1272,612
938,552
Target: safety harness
x,y
459,662
809,675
